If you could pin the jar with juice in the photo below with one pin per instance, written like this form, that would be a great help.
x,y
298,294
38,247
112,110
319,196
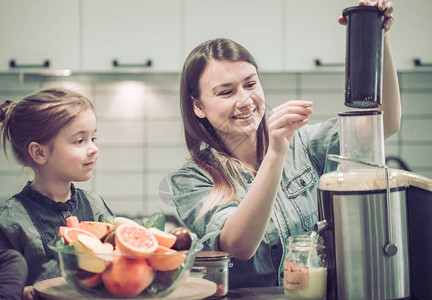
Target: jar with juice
x,y
305,268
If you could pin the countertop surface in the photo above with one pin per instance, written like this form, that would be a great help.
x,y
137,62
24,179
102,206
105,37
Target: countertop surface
x,y
274,293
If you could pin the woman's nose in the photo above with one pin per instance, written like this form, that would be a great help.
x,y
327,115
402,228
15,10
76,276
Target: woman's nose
x,y
244,100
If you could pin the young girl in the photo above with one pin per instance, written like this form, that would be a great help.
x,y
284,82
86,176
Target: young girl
x,y
254,180
53,132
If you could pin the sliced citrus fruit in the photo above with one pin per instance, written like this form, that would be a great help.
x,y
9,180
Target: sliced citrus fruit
x,y
70,233
164,238
72,221
135,239
120,220
93,255
99,229
166,259
126,277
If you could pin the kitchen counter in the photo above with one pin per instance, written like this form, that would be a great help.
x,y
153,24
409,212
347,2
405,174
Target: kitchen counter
x,y
274,293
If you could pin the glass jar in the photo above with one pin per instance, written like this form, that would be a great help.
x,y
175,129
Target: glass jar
x,y
305,268
213,266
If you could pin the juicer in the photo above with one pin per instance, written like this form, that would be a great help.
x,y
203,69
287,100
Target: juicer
x,y
374,220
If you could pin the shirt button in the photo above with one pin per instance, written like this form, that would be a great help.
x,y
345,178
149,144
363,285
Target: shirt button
x,y
302,182
274,246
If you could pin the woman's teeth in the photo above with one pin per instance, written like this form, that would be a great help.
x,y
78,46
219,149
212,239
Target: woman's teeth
x,y
244,116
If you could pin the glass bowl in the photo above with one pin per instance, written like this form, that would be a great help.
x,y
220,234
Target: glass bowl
x,y
140,276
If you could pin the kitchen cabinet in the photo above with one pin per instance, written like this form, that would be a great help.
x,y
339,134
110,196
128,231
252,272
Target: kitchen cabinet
x,y
33,32
410,34
256,25
313,32
136,33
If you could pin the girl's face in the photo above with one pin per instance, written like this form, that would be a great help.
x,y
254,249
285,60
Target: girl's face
x,y
73,152
231,98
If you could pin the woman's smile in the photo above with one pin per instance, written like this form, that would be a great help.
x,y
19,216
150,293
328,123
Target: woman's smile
x,y
246,115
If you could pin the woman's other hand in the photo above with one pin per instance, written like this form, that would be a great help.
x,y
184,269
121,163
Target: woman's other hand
x,y
383,5
284,120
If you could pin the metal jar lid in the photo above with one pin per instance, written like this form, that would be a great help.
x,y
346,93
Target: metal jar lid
x,y
211,256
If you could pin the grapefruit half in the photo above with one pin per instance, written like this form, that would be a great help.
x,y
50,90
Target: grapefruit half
x,y
135,239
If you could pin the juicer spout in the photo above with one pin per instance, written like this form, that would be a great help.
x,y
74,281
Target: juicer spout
x,y
320,226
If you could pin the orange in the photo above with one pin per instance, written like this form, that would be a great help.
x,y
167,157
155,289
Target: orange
x,y
164,238
72,221
135,239
127,277
88,279
99,229
70,234
166,259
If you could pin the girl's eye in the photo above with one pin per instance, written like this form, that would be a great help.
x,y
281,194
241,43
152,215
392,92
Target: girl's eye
x,y
80,141
94,139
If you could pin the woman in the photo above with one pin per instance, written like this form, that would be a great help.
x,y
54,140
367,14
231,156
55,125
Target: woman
x,y
253,181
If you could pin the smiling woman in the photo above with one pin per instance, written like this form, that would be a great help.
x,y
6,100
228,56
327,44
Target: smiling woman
x,y
53,132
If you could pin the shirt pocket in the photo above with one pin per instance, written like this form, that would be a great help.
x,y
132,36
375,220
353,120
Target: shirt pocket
x,y
303,181
300,192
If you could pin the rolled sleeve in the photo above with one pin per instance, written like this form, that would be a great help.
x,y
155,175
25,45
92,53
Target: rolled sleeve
x,y
216,224
191,188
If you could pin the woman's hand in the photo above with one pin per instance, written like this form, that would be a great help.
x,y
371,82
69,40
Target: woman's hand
x,y
386,7
284,120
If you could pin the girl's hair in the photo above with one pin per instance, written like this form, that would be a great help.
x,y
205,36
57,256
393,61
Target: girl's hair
x,y
38,118
200,135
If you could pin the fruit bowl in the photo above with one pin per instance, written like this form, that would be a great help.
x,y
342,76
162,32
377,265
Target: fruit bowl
x,y
139,272
125,270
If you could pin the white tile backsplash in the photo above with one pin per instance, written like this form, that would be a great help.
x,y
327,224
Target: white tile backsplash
x,y
121,158
118,132
120,183
416,130
166,158
417,104
170,131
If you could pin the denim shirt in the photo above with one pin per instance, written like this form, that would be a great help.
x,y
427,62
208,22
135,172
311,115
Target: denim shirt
x,y
294,211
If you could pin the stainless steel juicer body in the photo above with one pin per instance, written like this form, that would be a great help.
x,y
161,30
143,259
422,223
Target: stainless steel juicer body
x,y
355,239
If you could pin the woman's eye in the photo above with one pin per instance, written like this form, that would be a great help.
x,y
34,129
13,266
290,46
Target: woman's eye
x,y
250,84
225,93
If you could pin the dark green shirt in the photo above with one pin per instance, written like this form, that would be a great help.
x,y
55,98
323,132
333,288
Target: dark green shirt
x,y
30,220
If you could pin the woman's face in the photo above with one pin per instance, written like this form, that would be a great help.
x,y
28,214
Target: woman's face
x,y
231,98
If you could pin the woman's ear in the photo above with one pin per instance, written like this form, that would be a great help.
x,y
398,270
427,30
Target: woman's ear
x,y
38,153
198,109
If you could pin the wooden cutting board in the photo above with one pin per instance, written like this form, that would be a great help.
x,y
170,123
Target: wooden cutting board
x,y
59,289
